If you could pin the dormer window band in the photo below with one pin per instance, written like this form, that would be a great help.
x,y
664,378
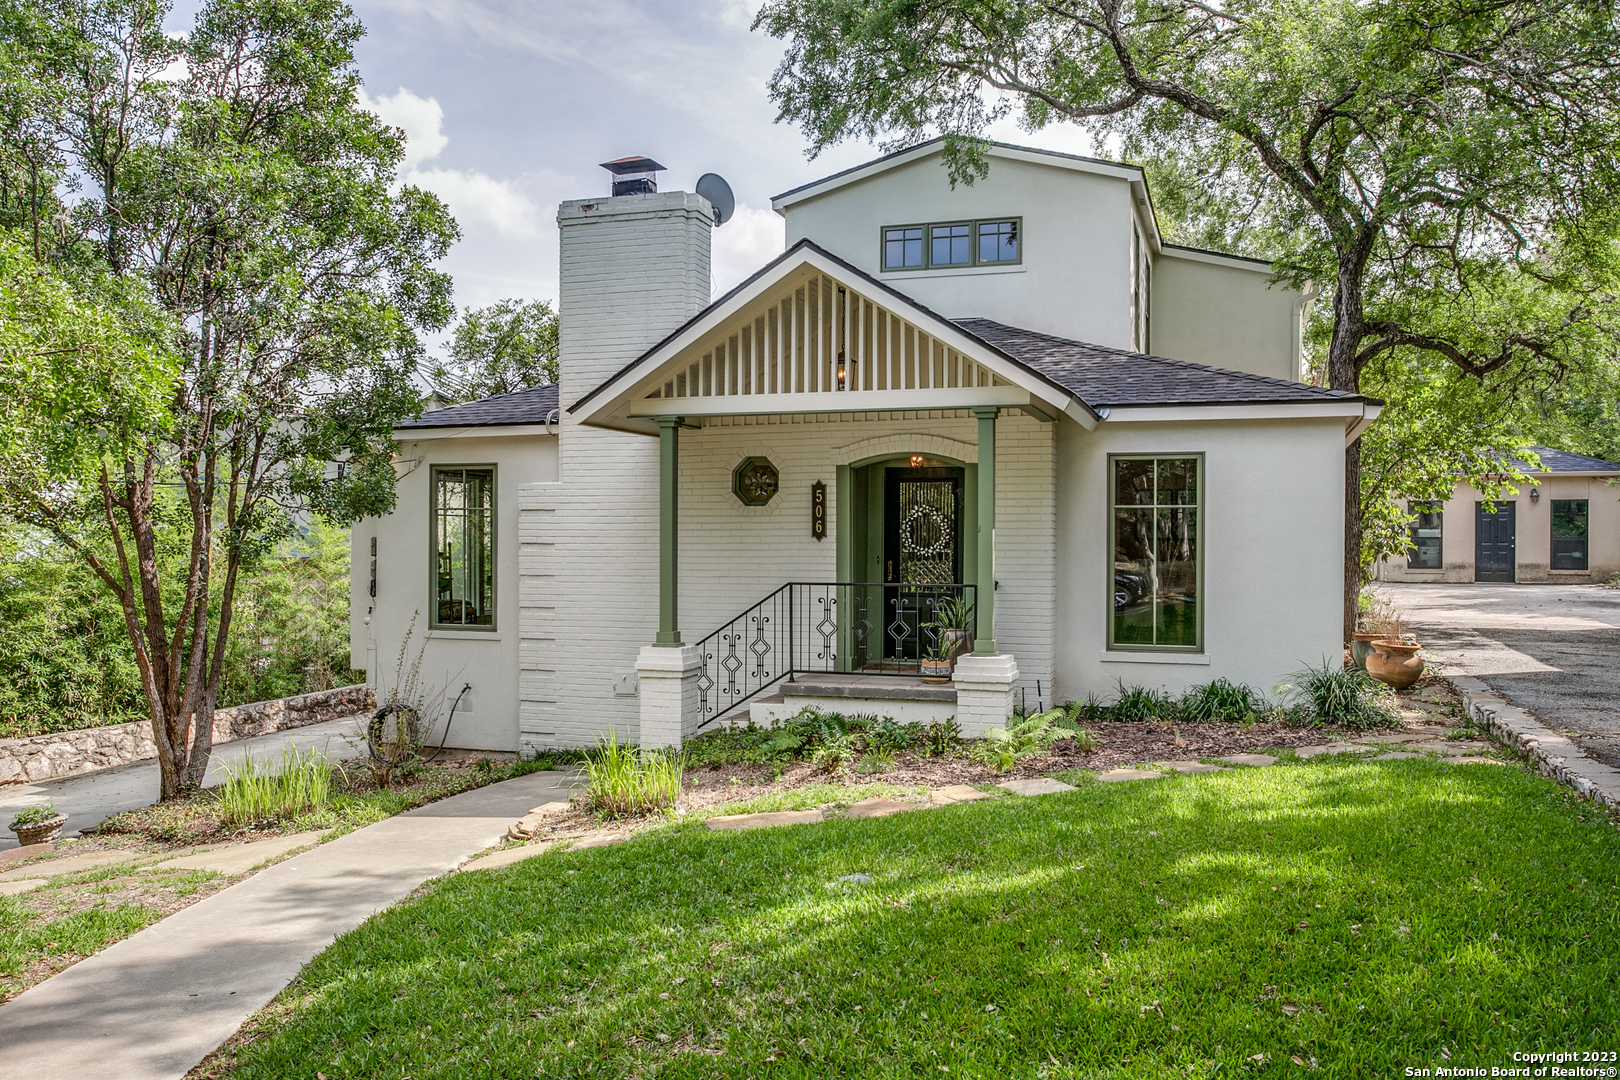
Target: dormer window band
x,y
946,245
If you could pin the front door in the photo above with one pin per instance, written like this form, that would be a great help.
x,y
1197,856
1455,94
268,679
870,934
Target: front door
x,y
1494,556
922,548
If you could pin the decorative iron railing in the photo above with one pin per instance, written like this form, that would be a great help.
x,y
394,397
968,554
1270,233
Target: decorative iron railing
x,y
816,627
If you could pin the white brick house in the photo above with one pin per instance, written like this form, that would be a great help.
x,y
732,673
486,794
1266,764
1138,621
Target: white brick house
x,y
1013,393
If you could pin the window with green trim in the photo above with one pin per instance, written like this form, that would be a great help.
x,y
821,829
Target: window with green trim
x,y
1155,533
944,245
463,527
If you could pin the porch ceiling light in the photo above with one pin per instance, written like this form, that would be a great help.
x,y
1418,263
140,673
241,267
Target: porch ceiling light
x,y
842,372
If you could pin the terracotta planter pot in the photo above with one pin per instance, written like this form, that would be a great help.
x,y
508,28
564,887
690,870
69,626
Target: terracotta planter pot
x,y
1396,664
1360,646
40,832
957,642
936,671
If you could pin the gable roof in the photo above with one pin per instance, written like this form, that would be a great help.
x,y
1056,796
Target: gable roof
x,y
1562,461
532,406
1108,378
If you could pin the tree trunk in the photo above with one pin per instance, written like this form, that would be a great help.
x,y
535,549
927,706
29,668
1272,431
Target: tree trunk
x,y
1345,374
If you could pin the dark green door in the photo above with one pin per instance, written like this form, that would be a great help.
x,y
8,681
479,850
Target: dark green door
x,y
922,548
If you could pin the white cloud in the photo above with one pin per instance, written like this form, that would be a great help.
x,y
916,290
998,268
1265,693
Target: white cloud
x,y
476,199
750,239
421,119
479,200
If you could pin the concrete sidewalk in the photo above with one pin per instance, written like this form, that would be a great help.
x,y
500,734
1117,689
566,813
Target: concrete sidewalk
x,y
154,1005
91,798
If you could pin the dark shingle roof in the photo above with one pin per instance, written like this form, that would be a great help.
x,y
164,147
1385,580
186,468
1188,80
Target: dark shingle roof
x,y
530,406
1116,378
1557,461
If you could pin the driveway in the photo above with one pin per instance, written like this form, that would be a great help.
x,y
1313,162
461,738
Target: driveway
x,y
90,798
1551,649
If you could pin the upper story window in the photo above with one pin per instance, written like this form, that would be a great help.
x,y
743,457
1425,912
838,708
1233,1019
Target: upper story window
x,y
948,244
903,248
463,526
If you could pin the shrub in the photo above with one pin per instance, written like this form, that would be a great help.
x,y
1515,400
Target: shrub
x,y
1136,704
1220,700
626,780
255,791
1341,696
1087,742
1091,708
942,737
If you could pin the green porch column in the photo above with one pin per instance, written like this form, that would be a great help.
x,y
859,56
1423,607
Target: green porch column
x,y
669,619
984,642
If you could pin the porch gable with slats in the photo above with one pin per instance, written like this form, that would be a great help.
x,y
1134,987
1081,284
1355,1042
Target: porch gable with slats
x,y
813,335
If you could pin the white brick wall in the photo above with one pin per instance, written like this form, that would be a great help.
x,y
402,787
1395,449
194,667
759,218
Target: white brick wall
x,y
632,269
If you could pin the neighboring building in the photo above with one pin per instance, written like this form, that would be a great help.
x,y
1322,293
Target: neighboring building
x,y
1565,527
935,393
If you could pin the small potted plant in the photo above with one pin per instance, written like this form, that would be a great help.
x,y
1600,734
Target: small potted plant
x,y
953,620
38,824
937,660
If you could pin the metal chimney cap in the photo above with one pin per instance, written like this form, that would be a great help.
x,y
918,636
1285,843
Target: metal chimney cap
x,y
620,166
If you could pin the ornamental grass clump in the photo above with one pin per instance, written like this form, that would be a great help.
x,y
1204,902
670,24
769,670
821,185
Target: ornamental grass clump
x,y
255,790
1221,700
626,780
1339,696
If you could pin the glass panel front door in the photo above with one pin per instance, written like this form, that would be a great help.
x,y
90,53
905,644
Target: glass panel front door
x,y
922,549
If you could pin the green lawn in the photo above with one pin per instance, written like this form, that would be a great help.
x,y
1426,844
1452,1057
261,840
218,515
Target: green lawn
x,y
1365,915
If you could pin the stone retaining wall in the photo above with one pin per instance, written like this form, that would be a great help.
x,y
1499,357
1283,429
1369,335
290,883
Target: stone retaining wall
x,y
1554,754
68,753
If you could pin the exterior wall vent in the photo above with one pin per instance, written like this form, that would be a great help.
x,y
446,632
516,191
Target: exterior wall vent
x,y
634,175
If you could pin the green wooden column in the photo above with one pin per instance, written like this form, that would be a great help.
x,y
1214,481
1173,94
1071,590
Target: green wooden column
x,y
984,641
669,616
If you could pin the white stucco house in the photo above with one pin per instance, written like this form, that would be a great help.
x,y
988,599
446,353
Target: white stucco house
x,y
1012,394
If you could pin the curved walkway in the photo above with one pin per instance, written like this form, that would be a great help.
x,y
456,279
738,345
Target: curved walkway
x,y
154,1005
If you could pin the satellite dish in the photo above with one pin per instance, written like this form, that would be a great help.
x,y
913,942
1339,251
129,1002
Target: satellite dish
x,y
713,186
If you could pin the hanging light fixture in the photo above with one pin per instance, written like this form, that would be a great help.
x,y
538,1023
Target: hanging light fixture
x,y
842,374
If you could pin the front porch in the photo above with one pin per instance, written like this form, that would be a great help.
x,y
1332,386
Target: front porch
x,y
813,404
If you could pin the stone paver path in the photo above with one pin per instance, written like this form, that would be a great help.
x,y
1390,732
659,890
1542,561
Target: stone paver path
x,y
1040,785
957,793
761,821
1114,776
152,1006
1258,760
876,808
1193,766
69,864
240,858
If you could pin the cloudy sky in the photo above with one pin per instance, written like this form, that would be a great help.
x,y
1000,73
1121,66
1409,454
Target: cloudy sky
x,y
510,105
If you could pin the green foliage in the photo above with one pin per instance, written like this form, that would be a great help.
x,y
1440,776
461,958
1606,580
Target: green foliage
x,y
33,815
830,740
65,659
257,790
269,276
1002,746
26,939
1220,700
625,780
1136,704
290,627
1339,696
508,346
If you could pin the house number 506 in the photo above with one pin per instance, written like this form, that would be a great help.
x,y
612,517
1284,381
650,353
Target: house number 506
x,y
818,510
